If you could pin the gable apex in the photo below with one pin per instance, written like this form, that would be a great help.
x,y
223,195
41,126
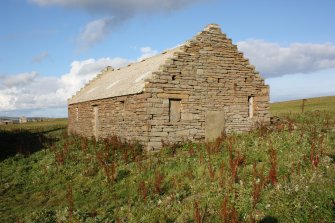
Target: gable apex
x,y
212,26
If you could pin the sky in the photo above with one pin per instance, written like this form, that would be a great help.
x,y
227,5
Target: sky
x,y
49,49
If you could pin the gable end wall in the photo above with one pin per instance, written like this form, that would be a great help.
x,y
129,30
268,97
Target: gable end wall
x,y
209,75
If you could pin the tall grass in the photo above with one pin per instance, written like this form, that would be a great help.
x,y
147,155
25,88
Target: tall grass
x,y
282,172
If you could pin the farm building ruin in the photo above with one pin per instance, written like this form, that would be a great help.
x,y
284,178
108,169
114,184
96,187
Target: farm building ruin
x,y
192,92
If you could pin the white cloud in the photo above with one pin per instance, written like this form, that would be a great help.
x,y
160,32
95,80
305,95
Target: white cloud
x,y
19,79
147,52
272,59
33,94
29,92
40,57
94,32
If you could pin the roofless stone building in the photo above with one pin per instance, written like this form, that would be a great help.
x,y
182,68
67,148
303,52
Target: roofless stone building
x,y
192,92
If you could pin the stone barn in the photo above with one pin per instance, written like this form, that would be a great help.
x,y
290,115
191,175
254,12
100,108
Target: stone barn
x,y
192,92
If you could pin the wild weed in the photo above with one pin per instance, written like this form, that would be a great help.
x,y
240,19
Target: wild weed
x,y
70,202
258,183
273,169
222,176
228,212
159,178
234,160
60,157
198,216
171,148
211,171
142,190
109,168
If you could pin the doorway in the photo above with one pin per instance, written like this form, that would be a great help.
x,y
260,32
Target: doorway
x,y
95,122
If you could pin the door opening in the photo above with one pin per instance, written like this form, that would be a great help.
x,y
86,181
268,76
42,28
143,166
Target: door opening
x,y
95,122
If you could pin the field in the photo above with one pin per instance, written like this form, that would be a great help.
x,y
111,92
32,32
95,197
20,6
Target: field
x,y
311,104
28,137
279,173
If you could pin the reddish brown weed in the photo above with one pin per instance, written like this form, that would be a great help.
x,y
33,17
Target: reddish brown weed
x,y
199,218
258,183
143,190
222,178
84,144
191,151
159,178
70,203
197,214
109,168
60,157
228,212
211,171
234,162
273,169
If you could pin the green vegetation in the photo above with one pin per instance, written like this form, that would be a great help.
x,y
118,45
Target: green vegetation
x,y
36,126
284,172
310,104
29,137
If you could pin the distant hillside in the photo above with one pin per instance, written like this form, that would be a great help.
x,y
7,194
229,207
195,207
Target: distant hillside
x,y
311,104
30,118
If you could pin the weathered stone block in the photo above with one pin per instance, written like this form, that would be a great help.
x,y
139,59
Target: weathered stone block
x,y
156,111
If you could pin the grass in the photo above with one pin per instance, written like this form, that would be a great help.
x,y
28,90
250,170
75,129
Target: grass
x,y
283,173
29,137
36,126
310,104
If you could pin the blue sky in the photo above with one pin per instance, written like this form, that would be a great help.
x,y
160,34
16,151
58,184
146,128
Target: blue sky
x,y
50,48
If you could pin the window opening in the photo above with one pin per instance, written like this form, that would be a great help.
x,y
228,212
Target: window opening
x,y
122,109
251,106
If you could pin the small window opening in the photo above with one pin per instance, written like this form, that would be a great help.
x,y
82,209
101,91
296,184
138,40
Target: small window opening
x,y
122,104
173,77
251,106
77,114
174,110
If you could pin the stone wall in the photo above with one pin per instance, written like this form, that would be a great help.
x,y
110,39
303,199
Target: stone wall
x,y
209,76
125,116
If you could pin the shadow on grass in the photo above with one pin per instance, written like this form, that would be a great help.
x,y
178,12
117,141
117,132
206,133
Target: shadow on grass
x,y
268,219
24,142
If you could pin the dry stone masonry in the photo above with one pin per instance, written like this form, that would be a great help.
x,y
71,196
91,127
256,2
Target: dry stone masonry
x,y
192,92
